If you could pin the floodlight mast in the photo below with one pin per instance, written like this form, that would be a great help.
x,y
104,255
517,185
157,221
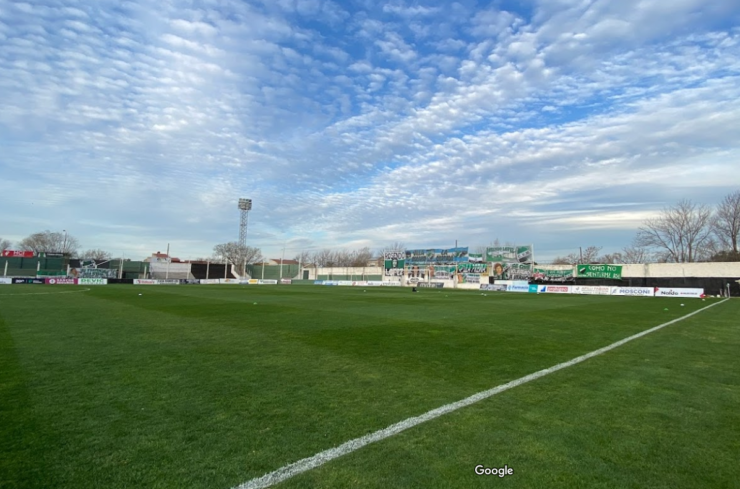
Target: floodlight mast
x,y
245,205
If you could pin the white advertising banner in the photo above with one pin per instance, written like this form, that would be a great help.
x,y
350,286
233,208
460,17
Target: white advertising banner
x,y
92,281
345,283
554,289
209,281
5,281
591,289
268,282
374,283
678,292
634,291
391,284
145,281
233,281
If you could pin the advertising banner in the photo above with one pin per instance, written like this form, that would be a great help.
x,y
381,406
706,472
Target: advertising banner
x,y
633,291
554,289
345,283
591,290
678,292
546,275
209,281
170,281
32,281
613,272
232,281
145,281
361,283
432,285
374,283
268,282
468,278
393,263
391,284
5,281
18,254
60,281
476,258
534,289
518,286
494,287
437,256
92,281
286,281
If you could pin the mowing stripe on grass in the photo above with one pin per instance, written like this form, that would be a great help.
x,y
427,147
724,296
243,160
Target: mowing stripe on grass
x,y
306,464
47,293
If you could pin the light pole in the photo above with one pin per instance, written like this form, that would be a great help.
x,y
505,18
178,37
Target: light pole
x,y
64,244
245,205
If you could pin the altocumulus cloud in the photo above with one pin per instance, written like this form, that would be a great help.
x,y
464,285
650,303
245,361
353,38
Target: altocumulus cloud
x,y
563,124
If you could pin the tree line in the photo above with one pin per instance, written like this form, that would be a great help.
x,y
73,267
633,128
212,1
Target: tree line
x,y
684,232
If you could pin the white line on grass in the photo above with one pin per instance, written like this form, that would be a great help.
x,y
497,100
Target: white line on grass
x,y
306,464
46,293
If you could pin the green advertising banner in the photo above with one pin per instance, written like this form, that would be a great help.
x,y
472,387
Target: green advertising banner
x,y
613,272
547,275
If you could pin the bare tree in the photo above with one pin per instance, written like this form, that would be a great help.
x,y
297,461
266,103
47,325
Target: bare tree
x,y
361,257
727,221
611,258
304,258
4,244
233,253
589,254
396,246
636,254
564,260
323,258
680,231
97,255
51,242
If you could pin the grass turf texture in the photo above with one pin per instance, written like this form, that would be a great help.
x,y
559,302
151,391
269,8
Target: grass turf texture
x,y
197,386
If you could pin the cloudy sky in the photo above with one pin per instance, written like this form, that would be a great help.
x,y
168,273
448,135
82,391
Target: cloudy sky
x,y
561,123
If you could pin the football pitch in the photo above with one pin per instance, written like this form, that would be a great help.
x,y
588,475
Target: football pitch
x,y
215,386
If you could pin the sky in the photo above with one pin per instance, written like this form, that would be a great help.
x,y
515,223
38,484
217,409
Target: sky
x,y
559,123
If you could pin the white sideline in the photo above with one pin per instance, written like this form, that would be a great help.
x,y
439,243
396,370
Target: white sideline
x,y
306,464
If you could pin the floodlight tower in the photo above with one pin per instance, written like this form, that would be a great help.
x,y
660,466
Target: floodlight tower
x,y
245,205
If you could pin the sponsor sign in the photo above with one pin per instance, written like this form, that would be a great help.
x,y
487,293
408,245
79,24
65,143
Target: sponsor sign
x,y
60,281
228,281
318,282
209,281
268,282
518,286
635,291
374,283
391,284
92,281
145,281
253,281
494,287
393,263
18,254
468,278
432,285
591,290
5,281
48,254
678,292
34,281
345,283
533,288
554,289
171,281
286,281
361,283
613,272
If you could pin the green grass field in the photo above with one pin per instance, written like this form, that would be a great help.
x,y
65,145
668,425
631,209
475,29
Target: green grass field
x,y
211,386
